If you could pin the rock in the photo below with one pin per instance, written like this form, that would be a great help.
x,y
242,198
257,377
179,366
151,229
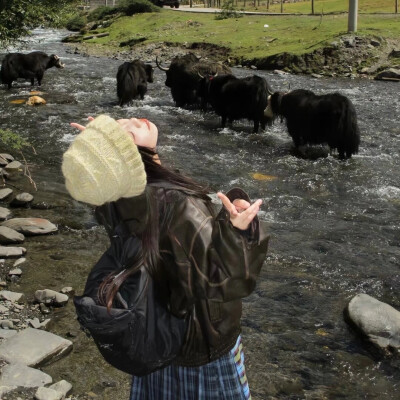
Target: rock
x,y
395,53
21,199
67,290
6,324
19,262
5,193
375,43
13,165
51,297
377,321
390,74
62,386
15,271
3,309
4,213
31,226
9,236
12,251
7,333
20,375
33,347
44,393
14,297
7,157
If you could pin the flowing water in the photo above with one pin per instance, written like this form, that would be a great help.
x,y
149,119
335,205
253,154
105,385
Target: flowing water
x,y
334,225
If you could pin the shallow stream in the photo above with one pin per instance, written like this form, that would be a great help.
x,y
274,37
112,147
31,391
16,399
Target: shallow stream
x,y
335,225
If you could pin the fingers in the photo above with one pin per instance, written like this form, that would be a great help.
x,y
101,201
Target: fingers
x,y
241,205
78,126
227,204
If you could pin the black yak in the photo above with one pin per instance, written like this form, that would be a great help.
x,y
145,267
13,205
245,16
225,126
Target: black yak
x,y
311,119
132,78
27,66
183,77
235,98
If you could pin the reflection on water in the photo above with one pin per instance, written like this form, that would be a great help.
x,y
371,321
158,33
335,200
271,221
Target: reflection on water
x,y
335,225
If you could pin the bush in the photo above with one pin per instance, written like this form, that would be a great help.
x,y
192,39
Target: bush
x,y
76,23
130,7
101,12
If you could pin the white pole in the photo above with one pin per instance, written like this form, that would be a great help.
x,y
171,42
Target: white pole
x,y
353,11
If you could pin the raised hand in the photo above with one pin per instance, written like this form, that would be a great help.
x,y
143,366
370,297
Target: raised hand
x,y
240,211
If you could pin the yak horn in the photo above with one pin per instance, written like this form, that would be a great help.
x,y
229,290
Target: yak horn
x,y
200,75
159,66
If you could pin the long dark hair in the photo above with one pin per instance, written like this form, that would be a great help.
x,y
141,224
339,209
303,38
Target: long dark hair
x,y
159,217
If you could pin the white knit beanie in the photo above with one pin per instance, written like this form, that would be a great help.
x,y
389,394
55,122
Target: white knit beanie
x,y
103,164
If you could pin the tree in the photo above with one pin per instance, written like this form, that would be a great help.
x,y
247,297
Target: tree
x,y
17,17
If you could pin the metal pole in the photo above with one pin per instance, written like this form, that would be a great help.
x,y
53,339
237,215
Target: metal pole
x,y
396,7
312,7
353,11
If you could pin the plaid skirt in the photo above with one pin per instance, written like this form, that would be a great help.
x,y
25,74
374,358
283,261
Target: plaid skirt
x,y
222,379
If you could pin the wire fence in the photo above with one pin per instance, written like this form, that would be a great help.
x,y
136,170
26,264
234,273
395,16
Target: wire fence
x,y
301,6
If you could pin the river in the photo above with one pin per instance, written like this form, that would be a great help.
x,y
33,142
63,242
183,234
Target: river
x,y
334,225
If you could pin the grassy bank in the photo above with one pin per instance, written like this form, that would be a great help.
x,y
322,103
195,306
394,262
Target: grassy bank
x,y
246,37
320,6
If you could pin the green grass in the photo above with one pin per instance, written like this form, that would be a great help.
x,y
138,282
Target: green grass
x,y
246,37
320,6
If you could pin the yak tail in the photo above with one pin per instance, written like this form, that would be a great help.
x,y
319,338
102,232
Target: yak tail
x,y
349,127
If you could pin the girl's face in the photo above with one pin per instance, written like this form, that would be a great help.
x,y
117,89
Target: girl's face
x,y
144,132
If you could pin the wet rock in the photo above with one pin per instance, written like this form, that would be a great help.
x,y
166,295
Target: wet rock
x,y
31,226
11,296
14,375
390,74
5,193
10,236
33,347
377,321
21,199
12,251
4,213
51,297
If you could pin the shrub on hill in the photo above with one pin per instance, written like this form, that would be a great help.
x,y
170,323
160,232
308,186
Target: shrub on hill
x,y
130,7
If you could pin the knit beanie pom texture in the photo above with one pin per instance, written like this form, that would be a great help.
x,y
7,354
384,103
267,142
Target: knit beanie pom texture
x,y
103,164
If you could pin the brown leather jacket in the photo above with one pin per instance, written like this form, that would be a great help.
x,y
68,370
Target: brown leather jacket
x,y
209,267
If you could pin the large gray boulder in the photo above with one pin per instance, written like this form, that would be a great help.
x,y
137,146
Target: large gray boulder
x,y
377,321
34,348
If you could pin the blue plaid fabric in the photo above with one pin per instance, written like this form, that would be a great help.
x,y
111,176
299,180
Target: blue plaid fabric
x,y
222,379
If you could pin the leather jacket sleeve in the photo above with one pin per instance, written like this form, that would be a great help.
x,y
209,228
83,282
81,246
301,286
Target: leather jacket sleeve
x,y
215,260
